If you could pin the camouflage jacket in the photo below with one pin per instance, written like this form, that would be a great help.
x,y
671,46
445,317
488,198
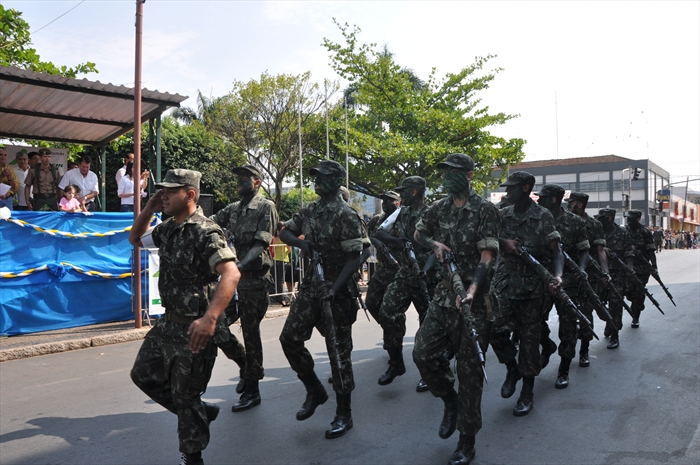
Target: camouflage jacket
x,y
642,240
251,222
572,229
372,227
405,226
618,241
189,254
594,232
335,229
467,230
534,229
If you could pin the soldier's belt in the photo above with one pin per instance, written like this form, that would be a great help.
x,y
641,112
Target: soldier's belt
x,y
180,319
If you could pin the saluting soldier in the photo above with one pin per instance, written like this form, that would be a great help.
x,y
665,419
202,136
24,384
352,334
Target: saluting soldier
x,y
334,230
469,227
250,223
176,358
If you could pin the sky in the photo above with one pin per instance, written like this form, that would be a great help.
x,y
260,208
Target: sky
x,y
586,78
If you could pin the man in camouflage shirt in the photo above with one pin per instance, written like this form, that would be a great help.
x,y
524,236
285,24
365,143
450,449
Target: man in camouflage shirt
x,y
250,223
406,286
618,240
469,227
575,243
520,290
334,230
644,259
596,238
176,358
385,270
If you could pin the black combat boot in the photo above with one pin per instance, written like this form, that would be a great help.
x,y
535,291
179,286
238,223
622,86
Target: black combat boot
x,y
343,417
396,366
241,362
465,451
583,360
422,386
525,401
449,418
614,339
608,329
191,459
512,377
635,319
562,381
250,398
315,395
211,410
548,348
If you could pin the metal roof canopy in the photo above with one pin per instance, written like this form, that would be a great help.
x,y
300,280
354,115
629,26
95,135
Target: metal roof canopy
x,y
55,108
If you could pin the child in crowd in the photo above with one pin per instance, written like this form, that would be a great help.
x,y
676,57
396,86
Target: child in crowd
x,y
69,203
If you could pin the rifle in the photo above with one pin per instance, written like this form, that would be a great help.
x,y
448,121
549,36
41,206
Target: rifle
x,y
458,288
582,279
384,251
317,266
655,273
610,286
630,272
560,295
411,255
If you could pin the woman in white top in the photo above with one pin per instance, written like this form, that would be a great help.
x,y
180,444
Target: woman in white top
x,y
125,190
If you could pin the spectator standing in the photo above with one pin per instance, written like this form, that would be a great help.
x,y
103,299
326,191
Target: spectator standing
x,y
86,181
125,189
34,159
21,170
280,254
129,158
42,183
9,178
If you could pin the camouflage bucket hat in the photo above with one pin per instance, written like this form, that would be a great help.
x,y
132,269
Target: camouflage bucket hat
x,y
180,178
412,182
457,160
519,177
551,190
390,195
580,196
634,214
248,169
328,167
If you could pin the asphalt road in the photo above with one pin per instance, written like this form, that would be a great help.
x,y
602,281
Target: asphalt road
x,y
639,404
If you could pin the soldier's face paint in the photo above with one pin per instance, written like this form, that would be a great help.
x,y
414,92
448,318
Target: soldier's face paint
x,y
388,206
576,207
406,196
606,220
545,201
515,193
455,181
633,221
327,184
245,184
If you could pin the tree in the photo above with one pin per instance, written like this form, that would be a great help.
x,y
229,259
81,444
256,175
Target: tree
x,y
205,108
16,48
399,125
261,119
290,202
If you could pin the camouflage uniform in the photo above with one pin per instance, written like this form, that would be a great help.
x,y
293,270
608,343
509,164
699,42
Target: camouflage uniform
x,y
642,240
467,231
165,368
618,241
383,275
335,229
520,290
596,237
249,223
405,287
573,239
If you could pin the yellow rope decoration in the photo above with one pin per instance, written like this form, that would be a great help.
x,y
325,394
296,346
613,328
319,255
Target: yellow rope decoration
x,y
23,273
56,232
76,268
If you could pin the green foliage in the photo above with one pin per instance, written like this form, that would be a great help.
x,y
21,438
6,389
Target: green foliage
x,y
399,125
16,48
290,202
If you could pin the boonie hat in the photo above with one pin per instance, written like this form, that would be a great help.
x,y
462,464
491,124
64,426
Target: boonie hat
x,y
634,213
248,169
551,189
457,160
390,195
328,167
412,182
607,211
580,196
180,178
519,177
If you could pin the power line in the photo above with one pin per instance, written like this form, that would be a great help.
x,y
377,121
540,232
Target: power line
x,y
48,24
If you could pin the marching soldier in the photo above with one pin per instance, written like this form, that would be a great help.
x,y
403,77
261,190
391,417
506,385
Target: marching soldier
x,y
643,242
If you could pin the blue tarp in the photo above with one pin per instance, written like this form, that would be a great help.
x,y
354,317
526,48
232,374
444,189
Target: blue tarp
x,y
61,297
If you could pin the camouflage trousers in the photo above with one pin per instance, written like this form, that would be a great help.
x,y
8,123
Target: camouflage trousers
x,y
403,290
305,314
376,289
446,328
170,374
253,297
568,326
587,307
525,316
638,296
619,280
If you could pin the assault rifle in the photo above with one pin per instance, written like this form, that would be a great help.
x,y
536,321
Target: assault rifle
x,y
458,288
582,279
610,286
655,273
323,287
559,295
383,250
630,272
411,255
